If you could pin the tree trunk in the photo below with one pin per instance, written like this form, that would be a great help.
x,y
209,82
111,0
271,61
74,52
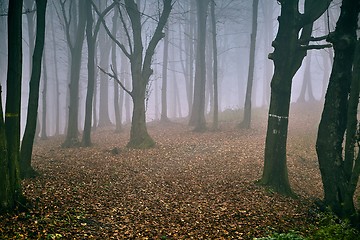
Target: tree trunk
x,y
57,97
86,140
215,67
164,114
13,194
337,173
32,116
197,117
141,71
114,64
246,123
268,71
76,52
6,198
287,57
105,47
44,104
306,86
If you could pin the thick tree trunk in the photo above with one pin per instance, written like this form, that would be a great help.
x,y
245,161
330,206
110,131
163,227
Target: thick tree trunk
x,y
287,57
13,106
30,129
247,109
336,173
197,117
141,72
6,200
139,137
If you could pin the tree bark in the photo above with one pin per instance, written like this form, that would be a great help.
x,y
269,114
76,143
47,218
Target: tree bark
x,y
44,100
86,140
117,107
76,52
13,106
287,57
336,172
32,116
141,72
246,123
215,67
197,117
164,112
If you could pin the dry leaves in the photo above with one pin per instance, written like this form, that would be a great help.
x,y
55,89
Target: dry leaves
x,y
190,186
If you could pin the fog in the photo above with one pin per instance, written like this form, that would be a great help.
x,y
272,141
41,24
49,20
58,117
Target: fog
x,y
233,20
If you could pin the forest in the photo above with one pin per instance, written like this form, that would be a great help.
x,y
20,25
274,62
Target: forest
x,y
179,119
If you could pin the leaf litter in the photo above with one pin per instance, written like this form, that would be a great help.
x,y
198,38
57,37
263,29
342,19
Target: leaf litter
x,y
190,186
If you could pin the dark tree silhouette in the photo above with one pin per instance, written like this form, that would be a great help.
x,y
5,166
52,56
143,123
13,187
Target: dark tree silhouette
x,y
197,117
34,85
247,109
140,65
340,174
287,56
10,185
75,46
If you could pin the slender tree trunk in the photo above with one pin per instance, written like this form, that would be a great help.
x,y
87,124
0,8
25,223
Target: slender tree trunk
x,y
306,81
215,67
337,173
95,97
44,102
164,107
114,64
29,4
57,97
197,117
246,123
32,116
268,71
105,47
76,52
86,140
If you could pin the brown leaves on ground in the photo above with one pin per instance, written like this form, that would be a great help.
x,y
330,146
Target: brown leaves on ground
x,y
190,186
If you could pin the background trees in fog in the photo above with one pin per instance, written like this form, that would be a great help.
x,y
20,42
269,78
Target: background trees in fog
x,y
197,70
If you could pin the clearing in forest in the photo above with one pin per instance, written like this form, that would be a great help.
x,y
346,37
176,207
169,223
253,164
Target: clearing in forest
x,y
191,185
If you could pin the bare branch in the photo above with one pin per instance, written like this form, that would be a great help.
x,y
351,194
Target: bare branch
x,y
122,47
115,77
67,24
310,47
125,29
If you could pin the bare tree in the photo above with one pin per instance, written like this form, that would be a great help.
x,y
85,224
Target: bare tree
x,y
75,45
340,172
32,116
197,117
247,109
10,184
140,68
287,56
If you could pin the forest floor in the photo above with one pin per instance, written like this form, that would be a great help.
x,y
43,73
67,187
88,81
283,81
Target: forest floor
x,y
190,186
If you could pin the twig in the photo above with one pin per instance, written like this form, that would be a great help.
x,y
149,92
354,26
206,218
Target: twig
x,y
115,77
